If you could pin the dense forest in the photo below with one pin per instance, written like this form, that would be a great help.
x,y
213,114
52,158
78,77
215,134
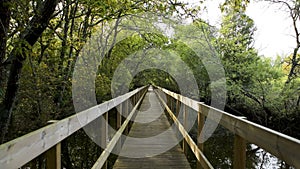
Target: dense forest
x,y
41,41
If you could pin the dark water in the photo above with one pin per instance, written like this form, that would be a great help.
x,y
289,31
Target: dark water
x,y
219,151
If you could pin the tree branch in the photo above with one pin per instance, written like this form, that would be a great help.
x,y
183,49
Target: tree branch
x,y
27,39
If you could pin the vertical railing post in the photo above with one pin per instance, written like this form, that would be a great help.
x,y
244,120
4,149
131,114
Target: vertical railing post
x,y
171,103
239,152
103,141
177,107
201,119
119,124
168,100
126,110
185,125
239,159
53,155
137,97
119,116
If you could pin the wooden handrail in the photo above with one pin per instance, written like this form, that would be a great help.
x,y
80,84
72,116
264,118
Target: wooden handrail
x,y
113,143
198,153
20,151
284,147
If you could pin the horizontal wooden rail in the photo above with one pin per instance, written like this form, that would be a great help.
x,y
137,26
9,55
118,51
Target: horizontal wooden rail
x,y
199,155
20,151
112,144
284,147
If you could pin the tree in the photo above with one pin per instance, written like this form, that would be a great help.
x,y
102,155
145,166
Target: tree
x,y
43,42
235,44
257,87
4,22
27,39
293,9
242,65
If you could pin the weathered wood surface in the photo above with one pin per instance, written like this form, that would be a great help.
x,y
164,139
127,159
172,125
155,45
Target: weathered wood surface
x,y
193,146
18,152
284,147
152,122
115,140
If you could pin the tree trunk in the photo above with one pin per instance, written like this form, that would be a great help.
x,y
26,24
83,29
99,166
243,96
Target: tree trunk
x,y
27,39
4,25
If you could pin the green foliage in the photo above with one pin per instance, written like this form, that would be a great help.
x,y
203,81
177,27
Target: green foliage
x,y
235,5
256,86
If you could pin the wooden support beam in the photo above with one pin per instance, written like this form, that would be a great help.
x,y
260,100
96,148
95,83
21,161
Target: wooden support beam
x,y
103,141
119,124
53,157
126,110
239,152
201,120
185,125
119,116
168,100
177,108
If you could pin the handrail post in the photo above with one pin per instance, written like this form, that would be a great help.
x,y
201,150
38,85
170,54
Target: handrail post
x,y
239,152
239,159
119,124
119,116
103,134
171,103
126,114
201,120
53,155
134,99
177,107
167,100
185,121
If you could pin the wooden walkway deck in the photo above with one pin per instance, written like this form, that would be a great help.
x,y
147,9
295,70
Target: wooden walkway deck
x,y
152,138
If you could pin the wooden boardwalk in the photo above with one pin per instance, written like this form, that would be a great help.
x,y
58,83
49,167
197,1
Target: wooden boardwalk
x,y
151,138
151,142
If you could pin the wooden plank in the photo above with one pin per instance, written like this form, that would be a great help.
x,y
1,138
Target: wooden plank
x,y
283,146
197,152
126,110
177,108
53,157
151,146
185,124
201,120
119,124
105,154
18,152
119,116
104,135
239,153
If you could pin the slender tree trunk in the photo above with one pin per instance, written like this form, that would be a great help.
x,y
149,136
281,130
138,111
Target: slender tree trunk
x,y
294,64
4,26
28,38
59,88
